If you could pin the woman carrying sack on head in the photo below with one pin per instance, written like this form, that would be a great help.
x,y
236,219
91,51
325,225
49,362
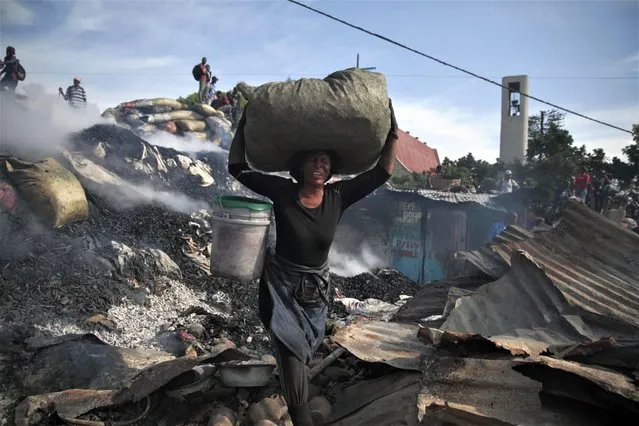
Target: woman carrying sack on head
x,y
294,288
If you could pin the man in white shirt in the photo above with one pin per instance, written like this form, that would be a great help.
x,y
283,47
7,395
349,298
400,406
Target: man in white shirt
x,y
507,184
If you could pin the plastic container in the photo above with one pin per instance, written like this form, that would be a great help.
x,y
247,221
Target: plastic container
x,y
240,228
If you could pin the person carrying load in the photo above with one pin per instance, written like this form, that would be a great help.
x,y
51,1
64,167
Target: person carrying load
x,y
294,287
75,95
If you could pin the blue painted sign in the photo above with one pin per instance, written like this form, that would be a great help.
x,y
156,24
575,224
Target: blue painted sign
x,y
407,250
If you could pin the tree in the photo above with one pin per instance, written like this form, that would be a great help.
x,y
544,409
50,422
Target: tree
x,y
628,173
192,99
552,157
596,162
547,138
632,151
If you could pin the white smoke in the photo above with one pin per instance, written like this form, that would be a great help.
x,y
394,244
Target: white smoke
x,y
33,127
187,143
348,264
39,125
171,200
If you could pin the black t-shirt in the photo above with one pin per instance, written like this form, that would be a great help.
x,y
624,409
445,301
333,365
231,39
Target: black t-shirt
x,y
305,235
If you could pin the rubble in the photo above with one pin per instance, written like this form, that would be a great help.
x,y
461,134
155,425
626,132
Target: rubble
x,y
136,276
117,318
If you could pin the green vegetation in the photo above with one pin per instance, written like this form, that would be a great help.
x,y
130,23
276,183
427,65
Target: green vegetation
x,y
552,159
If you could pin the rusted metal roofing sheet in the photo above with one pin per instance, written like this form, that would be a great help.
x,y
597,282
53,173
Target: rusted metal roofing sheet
x,y
606,387
431,298
524,311
469,392
394,344
608,352
485,200
367,402
591,260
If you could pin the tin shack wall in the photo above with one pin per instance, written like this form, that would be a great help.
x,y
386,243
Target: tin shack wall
x,y
416,235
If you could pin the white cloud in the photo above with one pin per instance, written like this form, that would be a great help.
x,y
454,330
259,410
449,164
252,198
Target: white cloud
x,y
133,64
157,43
453,131
153,54
594,135
630,59
12,12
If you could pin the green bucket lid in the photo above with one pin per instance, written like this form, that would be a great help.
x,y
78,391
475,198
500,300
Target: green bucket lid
x,y
230,201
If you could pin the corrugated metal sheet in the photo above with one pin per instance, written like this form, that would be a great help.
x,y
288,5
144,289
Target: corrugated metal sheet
x,y
606,352
485,200
525,311
432,298
469,392
367,402
591,260
614,389
394,344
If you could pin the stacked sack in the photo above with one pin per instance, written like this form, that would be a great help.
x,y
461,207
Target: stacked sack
x,y
149,116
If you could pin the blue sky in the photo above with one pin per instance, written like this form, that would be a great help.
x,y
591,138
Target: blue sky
x,y
583,55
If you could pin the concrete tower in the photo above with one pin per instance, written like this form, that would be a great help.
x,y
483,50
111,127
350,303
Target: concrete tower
x,y
514,119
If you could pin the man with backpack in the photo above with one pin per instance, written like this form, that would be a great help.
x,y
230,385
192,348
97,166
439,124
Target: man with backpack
x,y
201,74
12,70
76,96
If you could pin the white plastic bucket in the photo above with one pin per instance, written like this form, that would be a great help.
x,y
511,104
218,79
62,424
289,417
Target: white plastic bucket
x,y
239,236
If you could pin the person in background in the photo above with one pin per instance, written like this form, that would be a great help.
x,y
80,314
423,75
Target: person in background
x,y
217,100
295,287
204,81
582,182
214,81
497,228
227,105
209,76
75,95
569,189
507,184
10,70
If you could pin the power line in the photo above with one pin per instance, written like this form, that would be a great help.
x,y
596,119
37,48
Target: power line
x,y
432,58
301,74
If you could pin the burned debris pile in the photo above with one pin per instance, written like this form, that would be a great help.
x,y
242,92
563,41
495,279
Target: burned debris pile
x,y
127,286
110,315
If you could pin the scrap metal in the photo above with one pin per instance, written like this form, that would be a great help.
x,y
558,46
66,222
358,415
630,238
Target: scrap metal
x,y
611,388
394,344
473,391
591,260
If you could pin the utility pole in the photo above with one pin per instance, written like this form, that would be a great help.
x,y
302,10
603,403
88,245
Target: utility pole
x,y
365,69
542,122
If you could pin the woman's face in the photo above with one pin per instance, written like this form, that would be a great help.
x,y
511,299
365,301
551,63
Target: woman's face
x,y
316,168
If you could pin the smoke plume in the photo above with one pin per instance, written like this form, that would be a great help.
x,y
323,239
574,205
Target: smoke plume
x,y
33,127
39,126
186,143
347,264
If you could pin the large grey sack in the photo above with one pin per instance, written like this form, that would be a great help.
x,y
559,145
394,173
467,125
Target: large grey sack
x,y
346,112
